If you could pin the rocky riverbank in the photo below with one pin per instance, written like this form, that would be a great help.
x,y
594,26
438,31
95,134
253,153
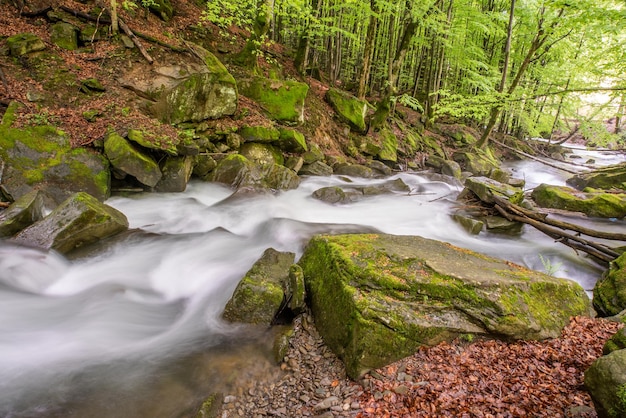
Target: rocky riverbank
x,y
458,379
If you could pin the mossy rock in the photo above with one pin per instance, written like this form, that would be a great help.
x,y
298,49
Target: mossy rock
x,y
176,174
154,141
279,177
128,159
609,293
314,154
317,168
605,381
211,406
208,92
25,211
616,342
64,35
377,298
282,100
471,225
602,205
606,178
235,171
388,146
292,141
485,189
259,134
24,43
332,194
78,221
354,170
162,8
260,294
479,162
41,158
348,108
262,153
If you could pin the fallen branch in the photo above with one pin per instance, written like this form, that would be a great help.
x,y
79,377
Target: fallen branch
x,y
532,157
556,230
86,16
36,13
135,40
543,217
159,42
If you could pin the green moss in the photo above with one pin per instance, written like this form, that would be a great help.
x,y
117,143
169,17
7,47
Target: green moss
x,y
283,100
349,109
605,205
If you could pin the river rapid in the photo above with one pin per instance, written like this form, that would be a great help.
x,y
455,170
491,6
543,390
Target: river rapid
x,y
132,328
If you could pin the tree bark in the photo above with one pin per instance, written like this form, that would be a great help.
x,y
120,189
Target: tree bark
x,y
368,52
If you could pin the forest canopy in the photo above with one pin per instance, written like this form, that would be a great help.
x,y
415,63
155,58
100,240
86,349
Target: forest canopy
x,y
524,67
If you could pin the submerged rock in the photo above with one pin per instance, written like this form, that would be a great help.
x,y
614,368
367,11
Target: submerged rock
x,y
78,221
377,298
238,171
598,204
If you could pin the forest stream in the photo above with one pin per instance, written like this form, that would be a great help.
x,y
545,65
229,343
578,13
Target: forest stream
x,y
132,328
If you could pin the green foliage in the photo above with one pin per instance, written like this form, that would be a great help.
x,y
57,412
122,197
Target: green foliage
x,y
408,101
550,268
225,13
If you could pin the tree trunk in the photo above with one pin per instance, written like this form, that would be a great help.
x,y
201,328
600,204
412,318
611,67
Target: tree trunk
x,y
368,52
383,109
114,20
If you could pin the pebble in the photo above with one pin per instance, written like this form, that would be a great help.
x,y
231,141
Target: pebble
x,y
311,382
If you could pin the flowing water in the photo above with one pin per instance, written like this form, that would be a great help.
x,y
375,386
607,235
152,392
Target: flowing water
x,y
132,328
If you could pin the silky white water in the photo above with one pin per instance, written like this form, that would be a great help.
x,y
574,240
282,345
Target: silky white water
x,y
132,327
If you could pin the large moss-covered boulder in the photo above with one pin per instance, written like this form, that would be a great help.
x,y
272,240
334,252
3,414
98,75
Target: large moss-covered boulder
x,y
186,91
598,204
42,158
64,35
22,213
176,173
377,298
612,177
24,43
260,295
478,162
606,382
609,293
128,159
317,168
348,108
282,100
355,170
78,221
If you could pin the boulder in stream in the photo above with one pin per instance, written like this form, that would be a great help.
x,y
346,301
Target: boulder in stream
x,y
376,298
261,294
78,221
597,204
612,177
